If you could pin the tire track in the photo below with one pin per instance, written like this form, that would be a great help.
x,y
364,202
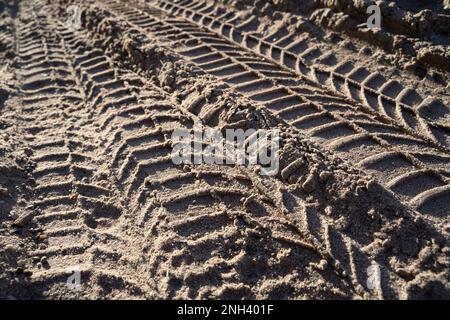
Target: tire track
x,y
72,210
388,99
343,250
77,212
333,20
153,183
382,149
139,225
163,193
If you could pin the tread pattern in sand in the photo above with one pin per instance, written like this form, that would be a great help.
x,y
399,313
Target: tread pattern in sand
x,y
83,212
385,148
108,199
370,90
71,202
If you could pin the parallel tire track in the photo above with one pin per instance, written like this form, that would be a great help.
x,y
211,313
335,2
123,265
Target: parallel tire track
x,y
374,93
169,198
113,203
137,134
75,211
344,253
80,225
410,166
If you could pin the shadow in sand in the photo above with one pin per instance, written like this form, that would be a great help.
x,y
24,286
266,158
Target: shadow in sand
x,y
3,97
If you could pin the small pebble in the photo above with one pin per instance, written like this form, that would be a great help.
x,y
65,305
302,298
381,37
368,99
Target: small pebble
x,y
310,184
42,237
23,219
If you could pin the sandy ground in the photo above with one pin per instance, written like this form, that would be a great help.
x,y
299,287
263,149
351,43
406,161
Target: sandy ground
x,y
93,207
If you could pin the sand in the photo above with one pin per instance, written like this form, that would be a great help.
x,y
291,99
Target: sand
x,y
93,207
